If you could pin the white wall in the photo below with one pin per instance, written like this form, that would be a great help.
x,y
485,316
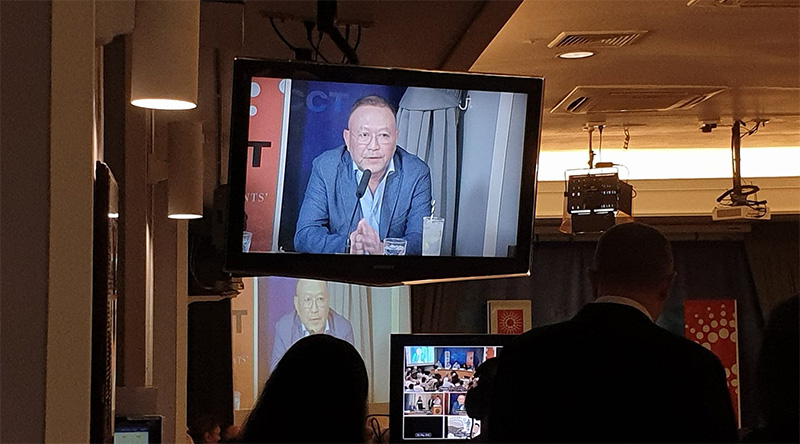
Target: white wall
x,y
511,178
73,150
170,318
490,172
51,82
387,303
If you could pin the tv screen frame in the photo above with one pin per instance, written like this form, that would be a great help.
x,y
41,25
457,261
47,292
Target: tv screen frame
x,y
149,425
377,270
397,371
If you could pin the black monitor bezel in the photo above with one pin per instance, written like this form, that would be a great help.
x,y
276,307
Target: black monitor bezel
x,y
377,270
397,368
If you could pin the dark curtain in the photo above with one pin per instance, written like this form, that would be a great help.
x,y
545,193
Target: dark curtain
x,y
721,270
774,252
558,287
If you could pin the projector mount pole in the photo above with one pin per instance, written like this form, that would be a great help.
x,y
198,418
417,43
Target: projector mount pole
x,y
591,152
736,152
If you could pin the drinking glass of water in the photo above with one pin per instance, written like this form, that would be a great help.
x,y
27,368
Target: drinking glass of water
x,y
432,228
246,238
394,246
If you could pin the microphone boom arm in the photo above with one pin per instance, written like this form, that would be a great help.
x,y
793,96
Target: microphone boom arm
x,y
360,190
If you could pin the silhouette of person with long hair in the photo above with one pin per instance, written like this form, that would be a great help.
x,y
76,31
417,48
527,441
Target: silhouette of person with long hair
x,y
321,379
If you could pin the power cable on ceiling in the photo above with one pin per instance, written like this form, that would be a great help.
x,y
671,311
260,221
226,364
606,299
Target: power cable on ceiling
x,y
317,54
347,38
280,36
627,138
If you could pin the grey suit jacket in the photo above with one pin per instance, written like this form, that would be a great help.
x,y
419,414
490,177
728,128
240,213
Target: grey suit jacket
x,y
324,224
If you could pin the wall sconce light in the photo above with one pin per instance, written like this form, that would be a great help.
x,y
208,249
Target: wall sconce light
x,y
185,170
165,54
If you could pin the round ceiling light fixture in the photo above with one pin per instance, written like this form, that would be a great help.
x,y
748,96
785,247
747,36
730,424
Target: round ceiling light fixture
x,y
576,55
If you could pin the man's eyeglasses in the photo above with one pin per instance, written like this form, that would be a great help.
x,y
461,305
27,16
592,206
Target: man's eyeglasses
x,y
365,138
308,302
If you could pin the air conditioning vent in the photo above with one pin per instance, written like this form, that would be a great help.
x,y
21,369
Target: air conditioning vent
x,y
632,98
747,3
693,101
606,39
576,104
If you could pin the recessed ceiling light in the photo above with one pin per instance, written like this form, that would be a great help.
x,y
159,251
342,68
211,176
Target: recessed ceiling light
x,y
576,55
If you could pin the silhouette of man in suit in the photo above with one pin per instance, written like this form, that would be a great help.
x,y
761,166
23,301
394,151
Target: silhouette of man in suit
x,y
610,373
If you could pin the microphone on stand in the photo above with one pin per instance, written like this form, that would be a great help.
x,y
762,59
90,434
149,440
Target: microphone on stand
x,y
362,186
360,190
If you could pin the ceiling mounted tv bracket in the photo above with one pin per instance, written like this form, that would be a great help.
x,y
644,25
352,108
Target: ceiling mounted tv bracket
x,y
326,22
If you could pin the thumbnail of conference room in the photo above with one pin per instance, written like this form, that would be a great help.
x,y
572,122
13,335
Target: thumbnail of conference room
x,y
435,385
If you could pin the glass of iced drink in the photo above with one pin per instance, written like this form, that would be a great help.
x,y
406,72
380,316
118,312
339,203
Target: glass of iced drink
x,y
432,229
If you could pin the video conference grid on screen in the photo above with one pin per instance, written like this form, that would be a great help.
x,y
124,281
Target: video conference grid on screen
x,y
452,154
435,385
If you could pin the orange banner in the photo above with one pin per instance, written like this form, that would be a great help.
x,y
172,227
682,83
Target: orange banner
x,y
263,156
712,324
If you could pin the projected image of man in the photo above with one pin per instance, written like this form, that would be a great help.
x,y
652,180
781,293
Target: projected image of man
x,y
396,187
458,406
312,315
418,355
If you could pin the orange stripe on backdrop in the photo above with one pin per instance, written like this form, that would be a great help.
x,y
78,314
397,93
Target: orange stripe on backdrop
x,y
266,116
713,324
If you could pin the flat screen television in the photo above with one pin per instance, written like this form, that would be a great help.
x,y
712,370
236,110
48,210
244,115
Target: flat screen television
x,y
422,410
137,430
452,158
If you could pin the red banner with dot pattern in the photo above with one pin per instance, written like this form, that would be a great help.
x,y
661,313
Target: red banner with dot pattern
x,y
713,324
263,158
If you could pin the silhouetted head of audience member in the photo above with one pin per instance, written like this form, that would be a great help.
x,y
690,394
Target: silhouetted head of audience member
x,y
633,260
205,430
480,395
230,433
778,367
321,379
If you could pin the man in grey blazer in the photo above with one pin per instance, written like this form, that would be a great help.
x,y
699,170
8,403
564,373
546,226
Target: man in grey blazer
x,y
397,197
312,315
